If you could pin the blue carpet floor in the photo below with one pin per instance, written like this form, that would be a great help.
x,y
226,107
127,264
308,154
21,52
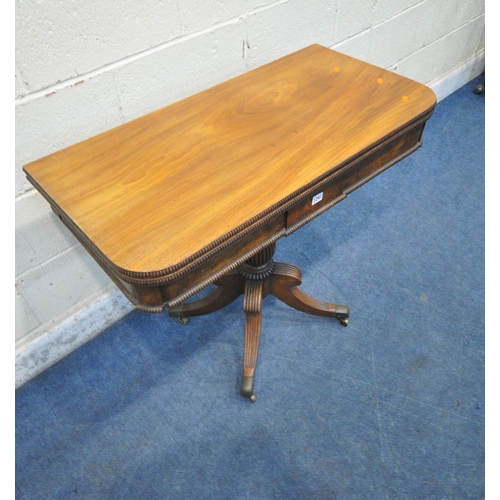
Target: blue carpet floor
x,y
391,407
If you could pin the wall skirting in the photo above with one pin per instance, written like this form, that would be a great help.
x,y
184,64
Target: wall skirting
x,y
34,357
452,80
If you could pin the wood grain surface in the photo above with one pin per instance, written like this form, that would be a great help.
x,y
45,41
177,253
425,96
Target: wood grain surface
x,y
152,192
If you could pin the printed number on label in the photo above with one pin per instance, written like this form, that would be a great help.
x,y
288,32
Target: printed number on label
x,y
317,198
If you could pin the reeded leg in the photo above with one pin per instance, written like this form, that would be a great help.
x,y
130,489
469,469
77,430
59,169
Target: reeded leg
x,y
284,282
229,288
252,305
256,278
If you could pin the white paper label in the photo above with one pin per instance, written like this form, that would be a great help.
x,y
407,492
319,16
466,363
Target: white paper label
x,y
317,198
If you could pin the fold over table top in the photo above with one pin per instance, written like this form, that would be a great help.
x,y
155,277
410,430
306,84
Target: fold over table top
x,y
152,192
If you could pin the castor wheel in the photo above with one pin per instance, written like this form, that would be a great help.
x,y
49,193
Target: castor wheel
x,y
344,321
479,89
183,319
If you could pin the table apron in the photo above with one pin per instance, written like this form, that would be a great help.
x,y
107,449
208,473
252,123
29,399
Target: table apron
x,y
154,295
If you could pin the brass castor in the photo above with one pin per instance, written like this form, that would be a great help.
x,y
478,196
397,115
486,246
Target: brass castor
x,y
247,388
183,319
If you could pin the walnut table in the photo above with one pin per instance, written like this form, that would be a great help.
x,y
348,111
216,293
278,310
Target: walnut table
x,y
198,192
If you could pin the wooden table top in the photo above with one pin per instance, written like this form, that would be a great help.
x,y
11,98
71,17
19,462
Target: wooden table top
x,y
152,192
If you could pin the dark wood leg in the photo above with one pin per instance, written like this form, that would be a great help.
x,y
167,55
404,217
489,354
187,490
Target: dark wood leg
x,y
284,282
229,288
258,277
252,305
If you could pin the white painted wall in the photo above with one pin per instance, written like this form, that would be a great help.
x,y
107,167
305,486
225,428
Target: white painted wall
x,y
85,67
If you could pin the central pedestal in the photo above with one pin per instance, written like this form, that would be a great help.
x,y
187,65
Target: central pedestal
x,y
258,277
